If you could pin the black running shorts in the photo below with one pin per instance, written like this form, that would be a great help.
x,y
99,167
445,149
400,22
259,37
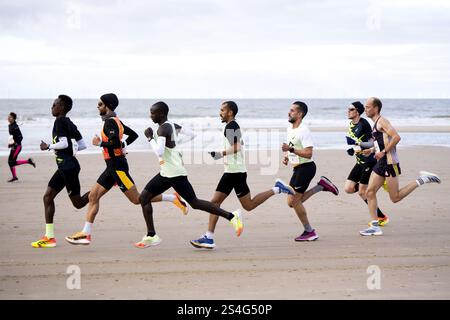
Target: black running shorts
x,y
66,178
180,184
236,181
383,169
361,173
116,172
302,176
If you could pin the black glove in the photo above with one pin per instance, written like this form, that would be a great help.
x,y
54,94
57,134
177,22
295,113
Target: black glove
x,y
350,141
351,152
216,155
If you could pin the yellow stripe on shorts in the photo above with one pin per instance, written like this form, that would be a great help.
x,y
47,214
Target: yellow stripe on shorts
x,y
125,180
396,169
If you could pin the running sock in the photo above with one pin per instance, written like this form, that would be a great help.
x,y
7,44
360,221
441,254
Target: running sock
x,y
308,227
316,188
374,223
151,234
168,197
276,190
209,235
380,213
87,228
49,230
420,181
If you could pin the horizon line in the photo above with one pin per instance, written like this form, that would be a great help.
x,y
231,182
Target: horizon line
x,y
237,98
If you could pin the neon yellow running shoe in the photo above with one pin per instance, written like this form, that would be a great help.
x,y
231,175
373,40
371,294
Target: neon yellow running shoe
x,y
148,241
179,203
44,242
383,221
237,222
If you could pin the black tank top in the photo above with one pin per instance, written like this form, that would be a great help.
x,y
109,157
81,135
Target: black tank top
x,y
381,139
378,136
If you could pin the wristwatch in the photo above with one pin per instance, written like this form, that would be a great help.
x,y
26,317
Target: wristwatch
x,y
291,149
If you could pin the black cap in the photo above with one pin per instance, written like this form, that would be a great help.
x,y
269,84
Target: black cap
x,y
359,106
110,100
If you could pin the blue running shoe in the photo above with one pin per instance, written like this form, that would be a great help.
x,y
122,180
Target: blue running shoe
x,y
203,243
284,187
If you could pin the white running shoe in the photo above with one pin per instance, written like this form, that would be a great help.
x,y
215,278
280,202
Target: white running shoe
x,y
428,177
372,231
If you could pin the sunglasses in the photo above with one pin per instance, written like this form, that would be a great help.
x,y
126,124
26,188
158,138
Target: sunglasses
x,y
351,109
100,104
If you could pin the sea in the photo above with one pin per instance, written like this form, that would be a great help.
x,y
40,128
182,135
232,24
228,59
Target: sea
x,y
263,121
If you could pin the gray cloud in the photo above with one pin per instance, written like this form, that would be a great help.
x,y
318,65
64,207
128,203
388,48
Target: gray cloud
x,y
203,41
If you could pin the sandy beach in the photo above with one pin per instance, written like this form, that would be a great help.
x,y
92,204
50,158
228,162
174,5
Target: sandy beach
x,y
413,255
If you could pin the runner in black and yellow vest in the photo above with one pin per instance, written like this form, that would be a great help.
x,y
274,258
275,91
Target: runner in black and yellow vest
x,y
360,135
116,171
387,169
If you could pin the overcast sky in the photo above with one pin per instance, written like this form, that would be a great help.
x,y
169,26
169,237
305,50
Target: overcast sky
x,y
225,48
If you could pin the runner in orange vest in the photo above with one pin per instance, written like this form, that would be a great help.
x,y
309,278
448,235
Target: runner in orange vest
x,y
116,171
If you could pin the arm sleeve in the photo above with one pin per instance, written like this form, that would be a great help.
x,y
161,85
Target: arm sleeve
x,y
81,145
366,145
186,134
62,133
158,147
61,144
132,135
233,133
112,132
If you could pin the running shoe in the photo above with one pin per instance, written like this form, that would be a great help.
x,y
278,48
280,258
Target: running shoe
x,y
203,242
328,185
428,177
371,231
237,222
13,179
284,187
79,238
307,236
31,161
179,203
44,242
383,221
148,241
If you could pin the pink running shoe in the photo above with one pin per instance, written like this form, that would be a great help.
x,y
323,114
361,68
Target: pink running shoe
x,y
328,185
308,236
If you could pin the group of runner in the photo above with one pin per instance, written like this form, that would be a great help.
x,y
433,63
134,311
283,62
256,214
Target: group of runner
x,y
377,165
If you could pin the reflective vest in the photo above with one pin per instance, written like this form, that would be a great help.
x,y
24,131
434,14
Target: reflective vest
x,y
117,151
